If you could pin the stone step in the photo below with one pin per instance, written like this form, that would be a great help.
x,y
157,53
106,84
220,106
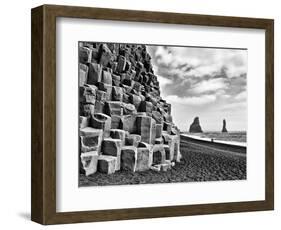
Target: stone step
x,y
106,164
144,159
146,127
83,74
159,155
112,147
129,158
89,162
117,93
90,139
94,73
132,140
83,121
118,134
101,121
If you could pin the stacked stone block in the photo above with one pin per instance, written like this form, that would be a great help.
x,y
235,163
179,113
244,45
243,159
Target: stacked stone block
x,y
124,122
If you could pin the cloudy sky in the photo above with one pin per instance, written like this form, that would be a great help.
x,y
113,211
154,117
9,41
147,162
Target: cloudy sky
x,y
210,83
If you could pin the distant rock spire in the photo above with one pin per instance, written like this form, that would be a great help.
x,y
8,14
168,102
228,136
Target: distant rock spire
x,y
224,130
195,126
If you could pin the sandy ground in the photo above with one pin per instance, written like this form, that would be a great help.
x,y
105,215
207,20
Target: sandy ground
x,y
200,162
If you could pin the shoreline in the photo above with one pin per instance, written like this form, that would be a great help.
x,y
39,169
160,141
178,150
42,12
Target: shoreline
x,y
217,141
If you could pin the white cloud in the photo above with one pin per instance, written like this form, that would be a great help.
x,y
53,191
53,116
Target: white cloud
x,y
208,85
200,100
164,56
205,61
237,106
202,70
241,96
163,81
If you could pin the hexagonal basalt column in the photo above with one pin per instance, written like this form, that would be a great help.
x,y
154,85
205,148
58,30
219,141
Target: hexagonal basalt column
x,y
132,140
94,73
143,159
112,147
89,162
117,93
129,158
146,106
101,121
83,122
118,134
113,108
107,164
85,55
87,94
159,156
146,128
173,141
83,74
90,139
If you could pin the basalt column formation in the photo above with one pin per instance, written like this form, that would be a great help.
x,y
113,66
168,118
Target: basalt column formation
x,y
124,122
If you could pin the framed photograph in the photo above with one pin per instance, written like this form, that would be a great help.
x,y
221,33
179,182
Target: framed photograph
x,y
140,114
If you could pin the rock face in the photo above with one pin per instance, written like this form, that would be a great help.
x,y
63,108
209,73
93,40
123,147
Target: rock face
x,y
129,158
195,126
89,162
124,122
224,130
106,164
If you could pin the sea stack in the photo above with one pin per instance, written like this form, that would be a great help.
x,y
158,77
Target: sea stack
x,y
224,130
195,126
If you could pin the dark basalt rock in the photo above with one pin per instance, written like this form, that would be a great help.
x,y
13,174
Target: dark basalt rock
x,y
195,126
224,130
123,119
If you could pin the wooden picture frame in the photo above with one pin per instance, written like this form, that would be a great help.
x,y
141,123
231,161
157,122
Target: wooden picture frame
x,y
43,207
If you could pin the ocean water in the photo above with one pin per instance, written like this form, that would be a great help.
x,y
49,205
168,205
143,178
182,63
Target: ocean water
x,y
237,136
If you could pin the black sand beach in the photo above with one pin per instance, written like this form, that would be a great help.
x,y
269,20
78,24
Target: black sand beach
x,y
200,162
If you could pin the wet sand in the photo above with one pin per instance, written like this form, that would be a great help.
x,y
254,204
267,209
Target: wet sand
x,y
200,162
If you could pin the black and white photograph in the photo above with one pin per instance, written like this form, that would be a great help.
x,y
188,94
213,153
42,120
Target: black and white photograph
x,y
152,114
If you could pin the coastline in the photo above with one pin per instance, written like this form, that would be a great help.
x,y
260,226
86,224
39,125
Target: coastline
x,y
206,139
